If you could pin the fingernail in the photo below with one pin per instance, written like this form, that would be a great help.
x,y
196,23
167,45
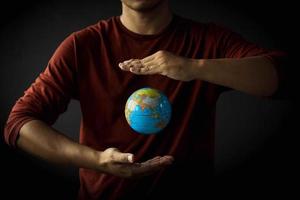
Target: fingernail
x,y
121,65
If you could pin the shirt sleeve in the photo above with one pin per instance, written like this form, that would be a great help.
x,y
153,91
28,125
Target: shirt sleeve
x,y
50,93
233,45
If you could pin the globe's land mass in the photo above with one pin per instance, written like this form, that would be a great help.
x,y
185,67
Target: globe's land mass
x,y
148,111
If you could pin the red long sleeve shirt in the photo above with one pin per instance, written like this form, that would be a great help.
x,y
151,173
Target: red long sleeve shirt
x,y
85,68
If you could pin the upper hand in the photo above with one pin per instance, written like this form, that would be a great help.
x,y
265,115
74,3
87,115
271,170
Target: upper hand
x,y
161,62
114,162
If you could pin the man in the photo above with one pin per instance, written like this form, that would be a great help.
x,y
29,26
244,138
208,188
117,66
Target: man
x,y
101,65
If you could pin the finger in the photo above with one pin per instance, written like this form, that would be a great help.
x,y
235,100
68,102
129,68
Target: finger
x,y
128,63
157,162
140,70
153,66
122,157
145,70
152,165
137,67
153,160
124,66
165,160
148,58
149,62
132,170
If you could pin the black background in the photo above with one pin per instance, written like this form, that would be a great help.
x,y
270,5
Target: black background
x,y
255,138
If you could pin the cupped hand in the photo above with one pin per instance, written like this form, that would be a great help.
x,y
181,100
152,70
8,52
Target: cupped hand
x,y
114,162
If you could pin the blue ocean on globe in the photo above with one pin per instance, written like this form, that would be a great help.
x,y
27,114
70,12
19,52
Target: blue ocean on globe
x,y
148,111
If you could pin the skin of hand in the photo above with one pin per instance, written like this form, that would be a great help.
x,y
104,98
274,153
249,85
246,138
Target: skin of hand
x,y
37,138
161,62
253,75
120,164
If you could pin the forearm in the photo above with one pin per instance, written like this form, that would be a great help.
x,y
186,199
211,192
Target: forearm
x,y
39,139
253,75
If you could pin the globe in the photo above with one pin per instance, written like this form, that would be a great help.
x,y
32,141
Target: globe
x,y
148,111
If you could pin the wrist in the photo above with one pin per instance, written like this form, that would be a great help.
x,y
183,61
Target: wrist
x,y
198,68
87,157
100,161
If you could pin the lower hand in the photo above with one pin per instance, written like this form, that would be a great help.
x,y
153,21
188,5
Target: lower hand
x,y
114,162
164,63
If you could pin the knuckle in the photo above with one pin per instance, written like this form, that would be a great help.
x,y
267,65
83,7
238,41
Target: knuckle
x,y
135,61
109,154
161,53
111,149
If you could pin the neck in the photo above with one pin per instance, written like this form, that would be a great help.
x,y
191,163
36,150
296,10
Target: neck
x,y
147,22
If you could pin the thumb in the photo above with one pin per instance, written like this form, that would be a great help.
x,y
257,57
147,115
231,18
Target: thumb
x,y
123,157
